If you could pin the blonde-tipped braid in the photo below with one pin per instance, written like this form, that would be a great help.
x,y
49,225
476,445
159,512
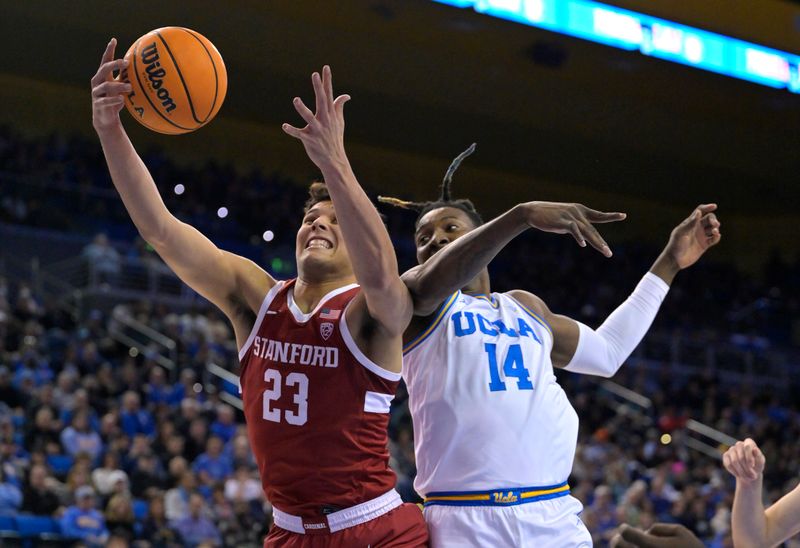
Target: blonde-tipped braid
x,y
444,200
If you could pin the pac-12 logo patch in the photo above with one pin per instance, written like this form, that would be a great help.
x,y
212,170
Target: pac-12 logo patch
x,y
326,330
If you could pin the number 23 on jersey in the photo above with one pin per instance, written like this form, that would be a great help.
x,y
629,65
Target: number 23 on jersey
x,y
296,381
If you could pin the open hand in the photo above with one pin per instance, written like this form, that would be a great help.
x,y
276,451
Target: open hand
x,y
575,219
323,135
660,535
745,461
694,236
108,94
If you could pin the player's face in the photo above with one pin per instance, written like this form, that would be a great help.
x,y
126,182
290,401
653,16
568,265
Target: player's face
x,y
438,228
319,241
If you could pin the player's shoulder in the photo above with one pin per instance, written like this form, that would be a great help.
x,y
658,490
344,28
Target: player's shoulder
x,y
529,300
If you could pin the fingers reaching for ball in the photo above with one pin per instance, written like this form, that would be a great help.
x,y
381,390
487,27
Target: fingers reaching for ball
x,y
108,93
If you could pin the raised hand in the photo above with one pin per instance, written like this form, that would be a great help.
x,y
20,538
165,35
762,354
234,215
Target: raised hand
x,y
694,236
323,135
108,94
575,219
745,461
660,535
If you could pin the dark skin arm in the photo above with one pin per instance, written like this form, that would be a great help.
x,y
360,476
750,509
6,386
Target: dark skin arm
x,y
660,535
454,266
687,243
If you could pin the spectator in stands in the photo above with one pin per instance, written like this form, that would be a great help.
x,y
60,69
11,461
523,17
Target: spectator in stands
x,y
196,529
119,516
109,474
9,394
213,465
10,495
243,487
189,411
44,435
81,404
27,306
146,475
225,426
108,384
157,390
220,508
64,392
184,388
174,448
104,261
156,529
242,456
40,495
79,474
79,438
176,501
83,521
603,512
197,437
133,419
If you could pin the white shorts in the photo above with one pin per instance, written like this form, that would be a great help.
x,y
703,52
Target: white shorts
x,y
550,523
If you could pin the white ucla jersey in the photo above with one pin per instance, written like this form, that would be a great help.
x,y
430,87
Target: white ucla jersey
x,y
487,410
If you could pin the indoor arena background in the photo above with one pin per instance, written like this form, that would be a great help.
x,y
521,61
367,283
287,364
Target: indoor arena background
x,y
114,375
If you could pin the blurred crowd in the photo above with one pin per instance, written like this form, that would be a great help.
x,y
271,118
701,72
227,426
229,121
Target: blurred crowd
x,y
121,450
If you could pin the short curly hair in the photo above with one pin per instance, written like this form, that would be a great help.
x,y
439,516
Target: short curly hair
x,y
317,192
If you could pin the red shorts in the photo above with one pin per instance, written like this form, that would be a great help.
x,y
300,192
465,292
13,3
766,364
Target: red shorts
x,y
402,527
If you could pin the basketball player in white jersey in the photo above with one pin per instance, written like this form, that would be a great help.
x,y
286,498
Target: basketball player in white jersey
x,y
494,433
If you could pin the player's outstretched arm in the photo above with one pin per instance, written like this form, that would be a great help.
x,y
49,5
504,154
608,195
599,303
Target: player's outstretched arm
x,y
454,266
369,246
752,526
223,278
581,349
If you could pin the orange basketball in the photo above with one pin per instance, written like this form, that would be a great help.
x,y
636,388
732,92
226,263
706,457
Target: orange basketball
x,y
178,78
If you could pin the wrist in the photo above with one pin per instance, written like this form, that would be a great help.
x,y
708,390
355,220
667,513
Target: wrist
x,y
748,485
665,267
108,130
336,166
520,215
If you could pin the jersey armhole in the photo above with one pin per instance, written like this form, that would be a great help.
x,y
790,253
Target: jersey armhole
x,y
438,316
268,298
360,357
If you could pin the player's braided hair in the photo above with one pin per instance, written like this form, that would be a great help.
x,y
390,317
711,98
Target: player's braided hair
x,y
445,199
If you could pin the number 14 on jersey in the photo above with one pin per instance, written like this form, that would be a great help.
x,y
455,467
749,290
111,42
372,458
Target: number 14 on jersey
x,y
513,366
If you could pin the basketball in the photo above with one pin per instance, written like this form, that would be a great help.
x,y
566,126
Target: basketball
x,y
178,78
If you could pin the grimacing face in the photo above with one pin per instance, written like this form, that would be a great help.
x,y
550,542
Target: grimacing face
x,y
438,228
319,242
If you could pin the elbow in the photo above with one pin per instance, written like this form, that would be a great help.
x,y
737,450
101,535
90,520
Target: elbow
x,y
424,295
157,234
423,304
381,279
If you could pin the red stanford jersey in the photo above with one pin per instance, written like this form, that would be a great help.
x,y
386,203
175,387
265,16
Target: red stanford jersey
x,y
316,407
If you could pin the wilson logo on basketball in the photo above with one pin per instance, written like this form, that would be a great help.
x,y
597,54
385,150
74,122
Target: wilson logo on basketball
x,y
156,73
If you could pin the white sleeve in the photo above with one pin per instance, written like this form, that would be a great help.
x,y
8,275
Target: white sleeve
x,y
602,352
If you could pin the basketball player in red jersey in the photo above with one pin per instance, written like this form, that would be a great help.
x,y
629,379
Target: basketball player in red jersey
x,y
320,355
